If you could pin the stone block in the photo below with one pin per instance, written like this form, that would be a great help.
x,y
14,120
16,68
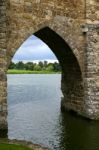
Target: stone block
x,y
0,108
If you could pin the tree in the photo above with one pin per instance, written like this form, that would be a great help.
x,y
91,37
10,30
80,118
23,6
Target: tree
x,y
20,65
56,67
29,66
37,67
41,65
45,64
12,65
49,67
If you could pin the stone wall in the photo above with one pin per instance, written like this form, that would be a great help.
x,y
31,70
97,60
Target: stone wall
x,y
3,85
92,60
65,18
77,24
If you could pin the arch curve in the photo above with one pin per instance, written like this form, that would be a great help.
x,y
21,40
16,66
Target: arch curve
x,y
72,81
16,39
57,44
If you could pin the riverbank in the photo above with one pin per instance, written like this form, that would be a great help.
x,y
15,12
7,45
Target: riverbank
x,y
13,71
19,145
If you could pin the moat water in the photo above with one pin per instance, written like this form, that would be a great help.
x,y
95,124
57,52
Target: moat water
x,y
34,115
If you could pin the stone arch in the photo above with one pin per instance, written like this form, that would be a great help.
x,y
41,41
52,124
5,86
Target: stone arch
x,y
72,81
16,38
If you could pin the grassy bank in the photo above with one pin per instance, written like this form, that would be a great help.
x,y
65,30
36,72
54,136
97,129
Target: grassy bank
x,y
6,144
12,147
12,71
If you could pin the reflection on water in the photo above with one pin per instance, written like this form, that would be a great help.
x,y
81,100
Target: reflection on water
x,y
34,115
77,133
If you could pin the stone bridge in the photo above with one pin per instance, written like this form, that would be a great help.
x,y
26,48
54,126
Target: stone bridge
x,y
71,29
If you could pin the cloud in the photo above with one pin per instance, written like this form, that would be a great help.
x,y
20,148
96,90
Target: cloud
x,y
34,49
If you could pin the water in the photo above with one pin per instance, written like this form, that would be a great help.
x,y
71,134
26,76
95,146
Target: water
x,y
34,115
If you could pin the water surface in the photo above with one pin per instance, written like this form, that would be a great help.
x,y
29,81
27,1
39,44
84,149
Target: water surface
x,y
34,115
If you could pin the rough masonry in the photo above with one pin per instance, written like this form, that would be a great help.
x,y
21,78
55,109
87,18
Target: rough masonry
x,y
71,29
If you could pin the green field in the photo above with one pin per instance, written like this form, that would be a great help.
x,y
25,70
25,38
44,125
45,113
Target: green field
x,y
12,147
13,71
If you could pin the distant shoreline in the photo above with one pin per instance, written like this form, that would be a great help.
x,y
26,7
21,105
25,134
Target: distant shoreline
x,y
13,71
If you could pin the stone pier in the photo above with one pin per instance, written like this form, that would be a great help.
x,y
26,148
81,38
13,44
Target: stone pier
x,y
71,29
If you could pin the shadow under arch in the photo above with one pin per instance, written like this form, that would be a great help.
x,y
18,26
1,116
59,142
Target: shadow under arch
x,y
72,81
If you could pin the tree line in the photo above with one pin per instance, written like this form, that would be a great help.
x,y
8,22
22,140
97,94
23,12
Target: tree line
x,y
40,66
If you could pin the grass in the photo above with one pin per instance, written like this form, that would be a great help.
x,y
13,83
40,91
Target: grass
x,y
12,147
13,71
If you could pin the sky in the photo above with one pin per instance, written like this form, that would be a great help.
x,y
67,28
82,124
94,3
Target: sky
x,y
33,49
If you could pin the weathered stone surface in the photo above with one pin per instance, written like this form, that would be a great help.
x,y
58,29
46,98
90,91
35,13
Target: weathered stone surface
x,y
3,62
77,25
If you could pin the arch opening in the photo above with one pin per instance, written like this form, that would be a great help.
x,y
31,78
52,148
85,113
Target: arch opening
x,y
71,81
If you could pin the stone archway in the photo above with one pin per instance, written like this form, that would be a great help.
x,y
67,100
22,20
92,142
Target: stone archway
x,y
19,19
72,80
